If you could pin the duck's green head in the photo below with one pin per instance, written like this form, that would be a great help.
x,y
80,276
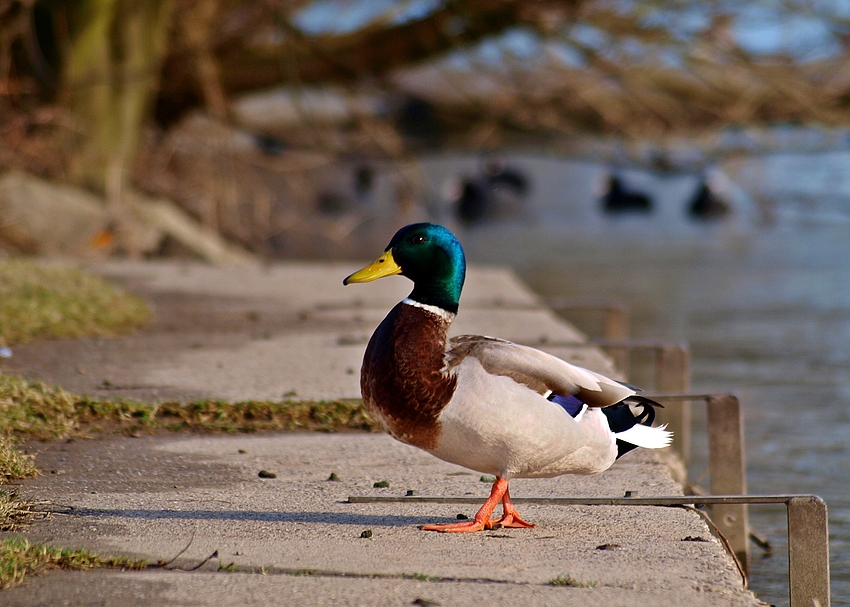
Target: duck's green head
x,y
430,256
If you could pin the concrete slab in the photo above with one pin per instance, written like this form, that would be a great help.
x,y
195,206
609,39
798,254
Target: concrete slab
x,y
154,496
292,329
115,589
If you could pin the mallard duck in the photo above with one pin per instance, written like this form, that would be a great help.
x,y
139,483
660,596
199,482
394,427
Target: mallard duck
x,y
480,402
498,192
618,199
708,203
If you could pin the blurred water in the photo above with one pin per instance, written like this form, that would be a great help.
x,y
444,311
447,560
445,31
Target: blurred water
x,y
766,313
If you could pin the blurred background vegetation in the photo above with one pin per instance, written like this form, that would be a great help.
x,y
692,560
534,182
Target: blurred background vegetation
x,y
229,128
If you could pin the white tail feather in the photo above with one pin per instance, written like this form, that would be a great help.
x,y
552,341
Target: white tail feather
x,y
646,437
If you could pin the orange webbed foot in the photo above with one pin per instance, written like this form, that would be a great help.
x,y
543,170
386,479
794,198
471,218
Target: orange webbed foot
x,y
465,527
482,517
512,521
482,521
511,518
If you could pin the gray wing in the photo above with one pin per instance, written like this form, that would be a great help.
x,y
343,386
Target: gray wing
x,y
538,370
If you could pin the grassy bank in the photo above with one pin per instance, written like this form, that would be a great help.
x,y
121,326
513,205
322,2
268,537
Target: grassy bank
x,y
52,301
14,465
33,410
47,301
19,558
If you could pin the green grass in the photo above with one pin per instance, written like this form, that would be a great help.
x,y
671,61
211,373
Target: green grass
x,y
15,512
568,580
14,465
19,558
53,301
33,410
45,302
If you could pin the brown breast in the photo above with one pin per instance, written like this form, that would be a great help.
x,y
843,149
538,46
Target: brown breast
x,y
401,379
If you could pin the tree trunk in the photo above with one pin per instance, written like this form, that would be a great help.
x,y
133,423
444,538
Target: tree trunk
x,y
111,69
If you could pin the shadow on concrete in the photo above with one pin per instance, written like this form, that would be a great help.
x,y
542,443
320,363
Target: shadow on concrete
x,y
249,515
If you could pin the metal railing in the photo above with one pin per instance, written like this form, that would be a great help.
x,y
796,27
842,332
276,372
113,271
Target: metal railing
x,y
727,460
726,464
808,532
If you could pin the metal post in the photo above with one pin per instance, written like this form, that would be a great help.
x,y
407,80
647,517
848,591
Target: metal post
x,y
808,563
728,471
616,328
672,372
616,321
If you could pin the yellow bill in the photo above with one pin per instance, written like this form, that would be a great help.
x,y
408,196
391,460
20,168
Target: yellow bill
x,y
385,265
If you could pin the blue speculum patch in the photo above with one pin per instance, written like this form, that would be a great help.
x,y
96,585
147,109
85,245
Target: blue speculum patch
x,y
570,404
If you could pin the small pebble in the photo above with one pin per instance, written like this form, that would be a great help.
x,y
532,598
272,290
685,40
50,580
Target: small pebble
x,y
241,451
5,352
462,517
381,484
366,534
486,478
333,477
266,474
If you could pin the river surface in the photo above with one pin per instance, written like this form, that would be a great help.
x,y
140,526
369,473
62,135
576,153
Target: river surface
x,y
766,312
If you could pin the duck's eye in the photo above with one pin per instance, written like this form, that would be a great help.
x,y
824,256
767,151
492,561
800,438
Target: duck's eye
x,y
419,239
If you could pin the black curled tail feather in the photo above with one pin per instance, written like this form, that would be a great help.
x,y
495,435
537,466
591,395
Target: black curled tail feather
x,y
628,413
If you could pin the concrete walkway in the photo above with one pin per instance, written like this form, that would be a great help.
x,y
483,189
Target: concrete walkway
x,y
294,330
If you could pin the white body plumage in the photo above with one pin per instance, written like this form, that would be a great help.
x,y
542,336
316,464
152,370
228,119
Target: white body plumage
x,y
496,425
